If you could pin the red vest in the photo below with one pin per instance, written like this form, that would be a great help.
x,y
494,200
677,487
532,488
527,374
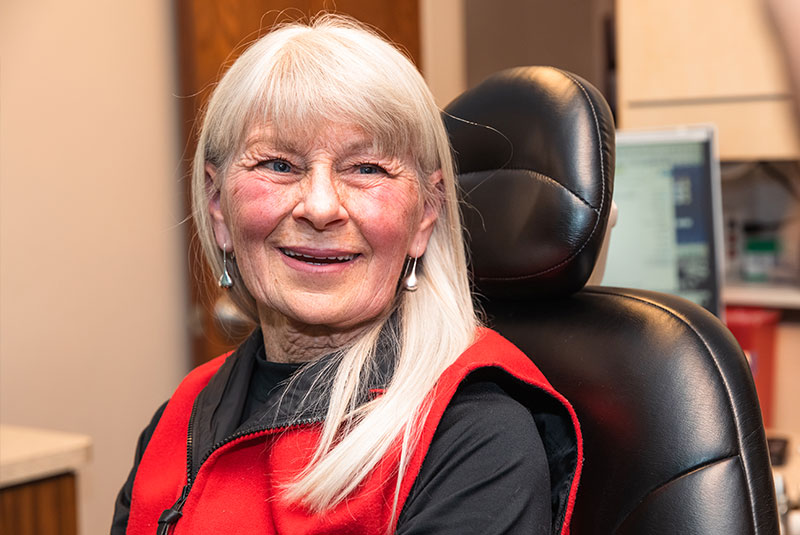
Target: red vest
x,y
235,489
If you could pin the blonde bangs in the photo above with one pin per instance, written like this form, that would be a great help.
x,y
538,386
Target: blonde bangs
x,y
318,77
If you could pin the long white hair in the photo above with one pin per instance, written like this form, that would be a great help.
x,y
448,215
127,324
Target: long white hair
x,y
334,69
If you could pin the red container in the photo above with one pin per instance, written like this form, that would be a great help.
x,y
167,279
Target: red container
x,y
754,329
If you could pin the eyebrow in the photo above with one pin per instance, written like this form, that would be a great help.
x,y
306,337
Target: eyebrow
x,y
274,141
362,145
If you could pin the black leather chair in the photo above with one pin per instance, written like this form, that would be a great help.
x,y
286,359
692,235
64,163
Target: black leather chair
x,y
673,437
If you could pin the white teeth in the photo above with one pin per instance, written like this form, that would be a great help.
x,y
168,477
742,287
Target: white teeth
x,y
309,258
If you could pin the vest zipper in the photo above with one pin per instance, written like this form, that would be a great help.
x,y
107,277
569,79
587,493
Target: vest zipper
x,y
170,516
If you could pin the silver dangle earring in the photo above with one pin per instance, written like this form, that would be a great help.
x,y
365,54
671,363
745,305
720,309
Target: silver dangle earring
x,y
411,280
225,280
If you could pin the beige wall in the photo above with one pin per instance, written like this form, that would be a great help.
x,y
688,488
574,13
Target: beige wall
x,y
92,335
463,41
787,373
510,33
443,40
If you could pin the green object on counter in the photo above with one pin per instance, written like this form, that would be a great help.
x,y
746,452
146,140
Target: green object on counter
x,y
759,259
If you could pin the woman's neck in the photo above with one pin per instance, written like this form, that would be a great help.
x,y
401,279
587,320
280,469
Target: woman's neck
x,y
287,341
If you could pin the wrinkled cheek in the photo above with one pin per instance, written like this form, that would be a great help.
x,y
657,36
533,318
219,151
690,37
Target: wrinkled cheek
x,y
390,233
253,222
254,213
391,220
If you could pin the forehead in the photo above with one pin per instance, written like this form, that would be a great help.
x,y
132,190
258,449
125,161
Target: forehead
x,y
332,136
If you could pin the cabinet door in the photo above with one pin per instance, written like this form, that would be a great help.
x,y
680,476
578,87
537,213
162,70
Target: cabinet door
x,y
705,61
44,507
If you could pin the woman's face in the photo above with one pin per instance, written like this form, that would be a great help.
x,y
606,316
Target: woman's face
x,y
321,226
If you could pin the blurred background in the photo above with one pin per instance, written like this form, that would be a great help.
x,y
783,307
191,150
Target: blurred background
x,y
102,311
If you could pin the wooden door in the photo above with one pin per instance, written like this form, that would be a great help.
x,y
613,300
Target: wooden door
x,y
211,35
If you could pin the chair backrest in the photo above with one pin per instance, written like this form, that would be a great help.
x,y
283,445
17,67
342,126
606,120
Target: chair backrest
x,y
673,436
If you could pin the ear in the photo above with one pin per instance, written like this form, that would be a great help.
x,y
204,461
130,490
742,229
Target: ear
x,y
218,225
429,216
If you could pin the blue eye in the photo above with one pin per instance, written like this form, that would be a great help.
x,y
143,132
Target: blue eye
x,y
277,165
370,169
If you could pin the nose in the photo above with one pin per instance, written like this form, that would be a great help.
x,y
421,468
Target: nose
x,y
320,205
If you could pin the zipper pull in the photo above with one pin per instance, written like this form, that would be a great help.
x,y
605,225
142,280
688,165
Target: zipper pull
x,y
170,516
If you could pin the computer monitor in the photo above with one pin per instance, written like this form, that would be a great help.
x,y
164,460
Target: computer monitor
x,y
668,236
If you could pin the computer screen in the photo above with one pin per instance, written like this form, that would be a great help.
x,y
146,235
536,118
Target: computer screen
x,y
668,236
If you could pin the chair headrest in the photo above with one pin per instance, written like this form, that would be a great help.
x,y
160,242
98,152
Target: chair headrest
x,y
534,151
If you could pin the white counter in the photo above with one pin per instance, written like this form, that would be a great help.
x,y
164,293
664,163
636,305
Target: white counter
x,y
28,454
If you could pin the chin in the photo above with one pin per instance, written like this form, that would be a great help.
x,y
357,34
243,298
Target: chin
x,y
338,320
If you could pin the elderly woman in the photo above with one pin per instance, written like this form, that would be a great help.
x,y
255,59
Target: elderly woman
x,y
369,400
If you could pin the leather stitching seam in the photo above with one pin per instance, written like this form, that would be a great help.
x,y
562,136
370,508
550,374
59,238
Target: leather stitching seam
x,y
537,174
602,193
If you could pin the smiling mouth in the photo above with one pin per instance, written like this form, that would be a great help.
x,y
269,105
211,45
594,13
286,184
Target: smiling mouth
x,y
318,260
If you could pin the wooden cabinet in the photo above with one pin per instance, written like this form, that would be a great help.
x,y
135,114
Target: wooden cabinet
x,y
705,61
37,480
44,507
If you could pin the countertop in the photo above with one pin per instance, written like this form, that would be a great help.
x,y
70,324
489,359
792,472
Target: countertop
x,y
28,454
